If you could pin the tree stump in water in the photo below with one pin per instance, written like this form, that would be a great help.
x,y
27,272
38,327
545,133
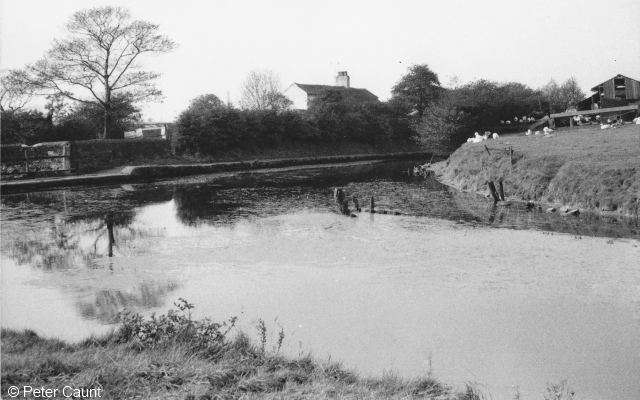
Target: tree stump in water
x,y
342,202
356,204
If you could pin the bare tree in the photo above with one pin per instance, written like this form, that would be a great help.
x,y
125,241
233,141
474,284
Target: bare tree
x,y
571,93
562,97
551,93
100,58
262,91
15,91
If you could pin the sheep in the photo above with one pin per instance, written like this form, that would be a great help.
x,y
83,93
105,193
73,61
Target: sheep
x,y
528,132
507,122
495,135
502,121
547,130
476,138
636,120
605,126
537,133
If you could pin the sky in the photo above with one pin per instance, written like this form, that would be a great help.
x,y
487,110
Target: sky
x,y
220,42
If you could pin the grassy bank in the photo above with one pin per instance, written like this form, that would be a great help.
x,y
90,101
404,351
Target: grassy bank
x,y
587,168
302,149
172,357
251,153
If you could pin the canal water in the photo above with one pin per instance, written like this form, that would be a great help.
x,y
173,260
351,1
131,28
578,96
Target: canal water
x,y
507,298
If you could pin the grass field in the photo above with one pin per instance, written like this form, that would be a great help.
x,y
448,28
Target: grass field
x,y
587,168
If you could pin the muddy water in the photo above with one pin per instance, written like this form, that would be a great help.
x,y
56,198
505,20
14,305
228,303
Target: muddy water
x,y
508,298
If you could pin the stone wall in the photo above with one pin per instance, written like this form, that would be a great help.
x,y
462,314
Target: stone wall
x,y
40,159
55,158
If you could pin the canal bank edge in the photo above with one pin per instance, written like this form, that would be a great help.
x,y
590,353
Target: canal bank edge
x,y
152,172
560,172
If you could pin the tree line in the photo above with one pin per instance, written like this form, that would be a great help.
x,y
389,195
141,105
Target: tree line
x,y
208,126
94,84
444,117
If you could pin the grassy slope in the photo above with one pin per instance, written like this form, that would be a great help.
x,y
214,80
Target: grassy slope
x,y
176,371
586,168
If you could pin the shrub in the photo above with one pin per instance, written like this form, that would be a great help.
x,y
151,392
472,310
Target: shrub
x,y
175,326
443,126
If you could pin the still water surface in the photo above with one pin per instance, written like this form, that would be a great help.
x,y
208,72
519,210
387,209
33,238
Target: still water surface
x,y
505,297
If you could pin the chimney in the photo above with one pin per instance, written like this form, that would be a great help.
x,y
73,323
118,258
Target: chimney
x,y
342,79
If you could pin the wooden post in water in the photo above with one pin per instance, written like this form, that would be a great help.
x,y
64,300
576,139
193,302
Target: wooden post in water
x,y
501,189
341,201
372,206
339,195
344,207
494,193
356,204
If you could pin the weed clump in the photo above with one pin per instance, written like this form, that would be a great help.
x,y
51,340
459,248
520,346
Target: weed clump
x,y
176,326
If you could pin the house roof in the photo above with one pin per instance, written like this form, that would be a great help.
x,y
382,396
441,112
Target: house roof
x,y
595,88
353,93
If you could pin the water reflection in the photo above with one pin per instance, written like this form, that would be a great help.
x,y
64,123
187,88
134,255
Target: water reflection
x,y
196,205
100,227
67,243
107,304
454,274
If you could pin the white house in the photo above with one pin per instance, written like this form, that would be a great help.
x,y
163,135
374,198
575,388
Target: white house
x,y
302,95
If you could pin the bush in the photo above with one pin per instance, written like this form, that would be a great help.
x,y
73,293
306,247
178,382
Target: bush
x,y
443,126
175,326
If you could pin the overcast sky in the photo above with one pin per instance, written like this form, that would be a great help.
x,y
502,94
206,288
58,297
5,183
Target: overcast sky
x,y
375,41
